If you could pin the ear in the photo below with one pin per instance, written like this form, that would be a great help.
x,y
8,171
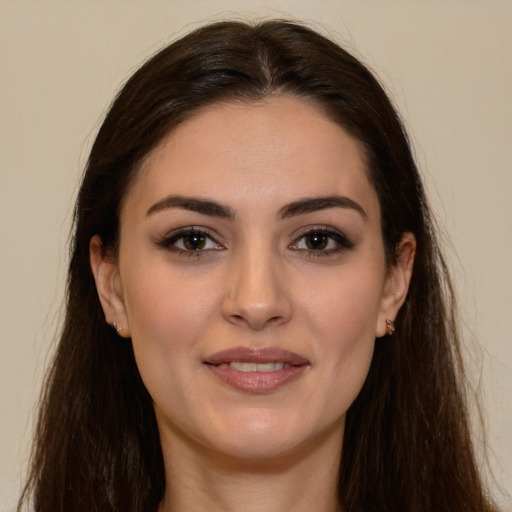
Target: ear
x,y
397,283
108,286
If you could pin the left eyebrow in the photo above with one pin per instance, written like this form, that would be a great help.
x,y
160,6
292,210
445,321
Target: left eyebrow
x,y
314,204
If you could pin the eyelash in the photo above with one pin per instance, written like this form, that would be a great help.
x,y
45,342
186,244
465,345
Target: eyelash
x,y
170,242
329,235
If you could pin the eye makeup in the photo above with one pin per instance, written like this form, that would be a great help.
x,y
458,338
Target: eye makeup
x,y
318,241
190,241
311,241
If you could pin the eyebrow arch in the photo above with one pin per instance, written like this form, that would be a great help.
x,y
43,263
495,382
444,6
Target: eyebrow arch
x,y
194,204
313,204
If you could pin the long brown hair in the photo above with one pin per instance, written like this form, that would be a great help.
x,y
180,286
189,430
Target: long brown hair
x,y
407,444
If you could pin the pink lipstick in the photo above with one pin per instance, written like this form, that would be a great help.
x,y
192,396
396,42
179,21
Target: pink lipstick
x,y
257,370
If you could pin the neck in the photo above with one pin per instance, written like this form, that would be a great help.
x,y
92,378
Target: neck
x,y
198,479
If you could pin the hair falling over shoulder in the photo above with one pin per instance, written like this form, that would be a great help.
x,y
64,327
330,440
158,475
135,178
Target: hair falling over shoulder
x,y
407,445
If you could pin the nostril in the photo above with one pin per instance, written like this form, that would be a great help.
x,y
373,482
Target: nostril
x,y
256,321
256,297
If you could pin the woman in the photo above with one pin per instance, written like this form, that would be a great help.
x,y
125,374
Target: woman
x,y
258,315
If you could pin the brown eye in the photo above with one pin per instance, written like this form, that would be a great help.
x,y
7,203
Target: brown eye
x,y
190,241
316,241
322,241
194,241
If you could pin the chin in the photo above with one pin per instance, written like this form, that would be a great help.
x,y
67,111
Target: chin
x,y
266,439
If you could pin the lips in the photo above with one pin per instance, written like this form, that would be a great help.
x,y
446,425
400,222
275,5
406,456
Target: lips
x,y
257,370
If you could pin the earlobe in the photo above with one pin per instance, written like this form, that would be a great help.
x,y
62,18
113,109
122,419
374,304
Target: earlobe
x,y
397,284
108,286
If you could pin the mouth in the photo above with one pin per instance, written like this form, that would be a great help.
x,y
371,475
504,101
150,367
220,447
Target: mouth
x,y
257,370
255,367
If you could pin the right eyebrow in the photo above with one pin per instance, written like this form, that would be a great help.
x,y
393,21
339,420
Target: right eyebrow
x,y
194,204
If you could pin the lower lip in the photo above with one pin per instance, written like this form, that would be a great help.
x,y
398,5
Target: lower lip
x,y
256,382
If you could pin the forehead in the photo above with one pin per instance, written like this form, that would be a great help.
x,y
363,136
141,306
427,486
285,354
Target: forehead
x,y
279,148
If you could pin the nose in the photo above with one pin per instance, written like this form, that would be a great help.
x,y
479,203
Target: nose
x,y
257,294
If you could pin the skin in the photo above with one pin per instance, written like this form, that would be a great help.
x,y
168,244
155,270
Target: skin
x,y
255,283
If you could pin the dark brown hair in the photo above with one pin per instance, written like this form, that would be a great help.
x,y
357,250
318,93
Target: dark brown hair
x,y
407,444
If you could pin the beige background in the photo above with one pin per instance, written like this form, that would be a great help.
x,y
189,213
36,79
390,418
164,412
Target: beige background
x,y
447,64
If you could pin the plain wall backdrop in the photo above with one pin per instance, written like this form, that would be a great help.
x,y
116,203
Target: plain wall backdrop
x,y
446,63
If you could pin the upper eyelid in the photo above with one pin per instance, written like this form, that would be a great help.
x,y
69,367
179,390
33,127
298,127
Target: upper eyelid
x,y
322,228
339,236
219,239
176,234
192,229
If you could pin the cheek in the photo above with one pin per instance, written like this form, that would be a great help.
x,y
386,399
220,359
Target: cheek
x,y
348,344
346,305
344,316
167,316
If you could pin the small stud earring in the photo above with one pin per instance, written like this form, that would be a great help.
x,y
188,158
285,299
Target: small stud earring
x,y
390,327
116,327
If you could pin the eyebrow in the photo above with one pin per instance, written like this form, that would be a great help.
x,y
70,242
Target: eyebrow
x,y
215,209
194,204
313,204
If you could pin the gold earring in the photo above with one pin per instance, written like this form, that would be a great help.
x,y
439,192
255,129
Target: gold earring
x,y
390,327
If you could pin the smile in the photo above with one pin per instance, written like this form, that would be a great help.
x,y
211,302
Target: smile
x,y
254,367
257,370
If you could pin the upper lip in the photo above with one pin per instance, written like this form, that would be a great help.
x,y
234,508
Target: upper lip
x,y
256,355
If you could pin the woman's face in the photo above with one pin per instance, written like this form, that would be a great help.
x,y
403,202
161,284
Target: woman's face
x,y
251,278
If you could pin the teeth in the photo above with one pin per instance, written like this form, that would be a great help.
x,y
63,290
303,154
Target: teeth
x,y
255,367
